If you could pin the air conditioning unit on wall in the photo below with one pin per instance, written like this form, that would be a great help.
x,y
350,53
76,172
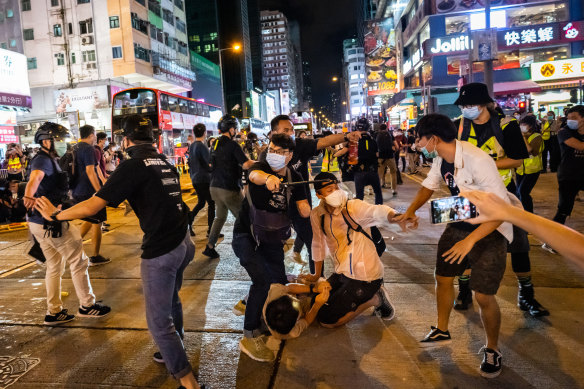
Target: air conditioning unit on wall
x,y
87,40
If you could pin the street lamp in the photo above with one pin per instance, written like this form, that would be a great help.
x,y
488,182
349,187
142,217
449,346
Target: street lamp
x,y
335,79
236,47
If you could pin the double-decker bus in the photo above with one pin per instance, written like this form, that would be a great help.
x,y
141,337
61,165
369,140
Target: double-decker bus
x,y
173,116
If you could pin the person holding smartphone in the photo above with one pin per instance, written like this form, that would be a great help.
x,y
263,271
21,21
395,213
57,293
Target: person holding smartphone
x,y
483,248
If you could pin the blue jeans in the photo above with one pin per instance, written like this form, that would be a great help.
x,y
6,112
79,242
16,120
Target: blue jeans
x,y
362,179
162,279
265,266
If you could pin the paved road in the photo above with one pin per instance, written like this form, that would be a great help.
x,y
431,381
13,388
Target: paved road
x,y
115,352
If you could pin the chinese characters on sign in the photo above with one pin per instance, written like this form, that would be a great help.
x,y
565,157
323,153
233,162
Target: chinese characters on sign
x,y
7,135
529,36
554,70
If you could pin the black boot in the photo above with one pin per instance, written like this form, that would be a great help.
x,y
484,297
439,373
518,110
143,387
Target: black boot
x,y
464,298
526,302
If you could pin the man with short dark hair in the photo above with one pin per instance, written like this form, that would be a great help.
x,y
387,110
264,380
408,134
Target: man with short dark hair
x,y
86,185
200,172
227,161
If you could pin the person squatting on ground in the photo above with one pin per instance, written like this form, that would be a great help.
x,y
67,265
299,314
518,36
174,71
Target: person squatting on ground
x,y
260,231
500,137
227,161
152,187
199,170
343,228
60,242
483,248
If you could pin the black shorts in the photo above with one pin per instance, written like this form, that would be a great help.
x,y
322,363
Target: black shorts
x,y
98,218
487,259
345,296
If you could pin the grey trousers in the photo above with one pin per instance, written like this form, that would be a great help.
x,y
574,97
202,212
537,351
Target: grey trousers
x,y
225,200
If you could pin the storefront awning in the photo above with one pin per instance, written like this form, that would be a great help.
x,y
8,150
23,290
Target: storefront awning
x,y
514,87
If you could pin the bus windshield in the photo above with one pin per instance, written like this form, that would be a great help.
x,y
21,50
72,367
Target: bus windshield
x,y
135,101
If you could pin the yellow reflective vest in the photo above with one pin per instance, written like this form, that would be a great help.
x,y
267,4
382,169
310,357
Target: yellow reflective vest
x,y
545,131
533,164
14,165
329,163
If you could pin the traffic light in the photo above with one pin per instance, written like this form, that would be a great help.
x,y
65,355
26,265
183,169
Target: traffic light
x,y
521,106
573,96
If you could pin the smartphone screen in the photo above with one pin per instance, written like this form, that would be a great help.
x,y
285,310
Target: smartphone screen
x,y
451,210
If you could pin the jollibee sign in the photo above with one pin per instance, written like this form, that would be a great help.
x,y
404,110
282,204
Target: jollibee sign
x,y
557,70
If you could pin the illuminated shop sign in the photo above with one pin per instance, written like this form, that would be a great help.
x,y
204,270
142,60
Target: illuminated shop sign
x,y
413,62
449,45
557,70
527,36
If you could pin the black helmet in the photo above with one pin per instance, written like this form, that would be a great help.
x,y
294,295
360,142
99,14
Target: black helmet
x,y
50,130
362,125
227,122
137,127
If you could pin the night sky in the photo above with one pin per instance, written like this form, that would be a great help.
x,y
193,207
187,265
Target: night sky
x,y
323,27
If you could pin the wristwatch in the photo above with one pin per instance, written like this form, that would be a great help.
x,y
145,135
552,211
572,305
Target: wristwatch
x,y
54,215
346,138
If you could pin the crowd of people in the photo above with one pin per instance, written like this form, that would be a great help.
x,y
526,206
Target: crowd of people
x,y
268,189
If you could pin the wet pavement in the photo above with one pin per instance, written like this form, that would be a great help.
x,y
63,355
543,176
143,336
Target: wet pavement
x,y
116,351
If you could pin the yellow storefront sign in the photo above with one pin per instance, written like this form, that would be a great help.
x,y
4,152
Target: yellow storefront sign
x,y
557,70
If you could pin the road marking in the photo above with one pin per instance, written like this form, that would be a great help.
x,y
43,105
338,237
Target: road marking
x,y
12,368
16,270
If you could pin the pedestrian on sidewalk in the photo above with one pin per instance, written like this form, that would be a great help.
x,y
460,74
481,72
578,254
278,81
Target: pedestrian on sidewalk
x,y
85,186
260,231
483,249
152,186
386,147
346,229
200,172
227,161
529,171
60,242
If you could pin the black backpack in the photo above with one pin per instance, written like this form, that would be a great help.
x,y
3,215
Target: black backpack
x,y
367,154
385,144
68,164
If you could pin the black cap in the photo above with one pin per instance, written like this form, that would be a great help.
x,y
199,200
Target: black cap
x,y
475,93
362,125
332,179
137,127
227,122
50,130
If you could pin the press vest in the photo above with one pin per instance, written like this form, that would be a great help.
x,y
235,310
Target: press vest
x,y
545,131
491,146
329,163
533,164
14,165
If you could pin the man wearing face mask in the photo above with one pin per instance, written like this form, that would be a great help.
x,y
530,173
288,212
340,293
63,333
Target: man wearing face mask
x,y
260,231
62,243
528,173
571,168
501,138
549,133
227,160
342,228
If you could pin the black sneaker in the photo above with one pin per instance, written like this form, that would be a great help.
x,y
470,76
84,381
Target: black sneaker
x,y
491,366
435,337
106,224
210,252
158,357
526,302
384,310
97,260
58,318
464,298
96,310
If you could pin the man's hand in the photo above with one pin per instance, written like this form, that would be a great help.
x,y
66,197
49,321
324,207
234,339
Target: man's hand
x,y
460,250
308,278
322,286
354,136
45,207
322,297
407,221
29,202
273,183
490,206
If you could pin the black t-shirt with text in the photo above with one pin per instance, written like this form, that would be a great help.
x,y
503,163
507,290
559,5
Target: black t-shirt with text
x,y
151,186
571,166
269,201
226,160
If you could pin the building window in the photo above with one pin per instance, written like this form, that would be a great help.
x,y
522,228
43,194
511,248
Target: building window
x,y
114,21
31,63
139,24
25,5
117,52
167,16
70,28
141,53
3,45
195,38
82,1
28,34
73,58
54,3
181,26
86,26
12,42
9,13
179,4
57,31
88,55
60,59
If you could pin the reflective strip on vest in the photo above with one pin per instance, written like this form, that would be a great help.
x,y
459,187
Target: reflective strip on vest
x,y
533,164
14,165
545,131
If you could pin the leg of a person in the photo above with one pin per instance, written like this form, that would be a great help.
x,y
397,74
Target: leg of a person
x,y
525,188
218,196
444,299
85,227
55,268
360,185
177,312
159,277
233,200
546,152
398,174
393,172
411,162
274,262
555,153
201,198
373,180
491,318
252,260
403,164
381,170
210,212
304,231
298,244
70,246
96,238
567,194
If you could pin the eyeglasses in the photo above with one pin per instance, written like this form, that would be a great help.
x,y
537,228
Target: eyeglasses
x,y
279,152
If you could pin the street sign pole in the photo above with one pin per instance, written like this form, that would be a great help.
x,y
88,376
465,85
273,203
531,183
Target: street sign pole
x,y
488,63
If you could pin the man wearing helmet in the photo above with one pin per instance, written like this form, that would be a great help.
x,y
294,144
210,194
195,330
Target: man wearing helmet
x,y
227,160
60,242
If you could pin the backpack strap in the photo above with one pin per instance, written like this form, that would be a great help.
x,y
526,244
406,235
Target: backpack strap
x,y
353,225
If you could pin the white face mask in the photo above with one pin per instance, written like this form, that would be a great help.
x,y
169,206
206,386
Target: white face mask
x,y
337,199
276,161
524,128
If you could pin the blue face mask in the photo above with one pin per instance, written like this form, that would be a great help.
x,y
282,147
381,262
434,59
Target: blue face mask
x,y
428,154
471,113
572,124
293,136
276,161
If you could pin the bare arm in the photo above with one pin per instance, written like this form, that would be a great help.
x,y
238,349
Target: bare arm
x,y
575,144
93,178
303,208
508,163
100,175
335,139
36,176
341,152
78,211
247,164
534,146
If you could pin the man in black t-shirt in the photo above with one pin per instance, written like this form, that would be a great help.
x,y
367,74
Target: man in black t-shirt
x,y
501,138
571,168
152,187
227,160
260,231
386,147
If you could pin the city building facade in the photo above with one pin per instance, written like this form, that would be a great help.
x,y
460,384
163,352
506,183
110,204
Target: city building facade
x,y
354,80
